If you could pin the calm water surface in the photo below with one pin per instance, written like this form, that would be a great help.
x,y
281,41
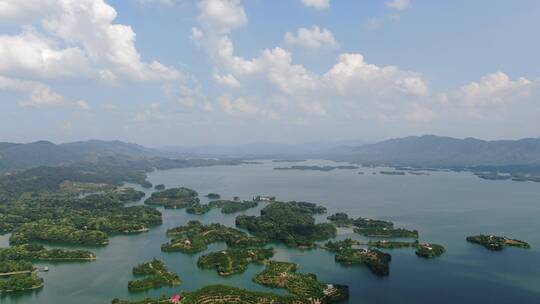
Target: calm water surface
x,y
445,207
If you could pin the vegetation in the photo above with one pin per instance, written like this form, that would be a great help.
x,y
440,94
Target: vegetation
x,y
195,237
341,219
392,172
303,286
34,252
429,250
48,230
384,244
157,275
340,245
21,282
291,223
371,228
159,187
496,243
234,261
221,294
317,168
227,207
174,198
377,261
213,196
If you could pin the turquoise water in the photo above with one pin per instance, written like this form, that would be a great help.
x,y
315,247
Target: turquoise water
x,y
445,207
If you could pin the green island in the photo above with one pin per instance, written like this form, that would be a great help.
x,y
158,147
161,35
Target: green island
x,y
213,196
35,252
174,198
496,243
195,237
227,206
429,250
318,168
234,261
157,275
21,282
377,261
303,286
392,173
371,227
67,216
384,244
159,187
291,223
222,294
16,264
426,250
336,246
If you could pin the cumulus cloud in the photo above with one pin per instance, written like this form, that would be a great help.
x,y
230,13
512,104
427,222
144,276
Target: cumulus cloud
x,y
495,89
227,80
351,75
311,38
351,83
222,15
95,42
37,94
398,4
243,108
317,4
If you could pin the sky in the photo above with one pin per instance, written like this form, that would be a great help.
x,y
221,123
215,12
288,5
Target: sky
x,y
225,72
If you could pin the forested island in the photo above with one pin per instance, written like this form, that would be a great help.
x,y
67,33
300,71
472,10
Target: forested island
x,y
345,253
234,261
318,168
303,286
226,206
291,223
156,275
496,243
371,227
304,289
195,237
174,198
18,272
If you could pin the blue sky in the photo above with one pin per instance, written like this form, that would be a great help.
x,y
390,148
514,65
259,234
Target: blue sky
x,y
192,72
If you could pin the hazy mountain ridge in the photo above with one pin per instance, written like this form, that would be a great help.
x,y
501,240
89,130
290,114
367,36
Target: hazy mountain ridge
x,y
45,153
438,151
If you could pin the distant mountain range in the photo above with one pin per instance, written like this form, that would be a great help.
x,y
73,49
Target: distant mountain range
x,y
437,151
45,153
419,151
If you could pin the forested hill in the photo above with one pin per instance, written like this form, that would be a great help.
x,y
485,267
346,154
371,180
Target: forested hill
x,y
436,151
44,153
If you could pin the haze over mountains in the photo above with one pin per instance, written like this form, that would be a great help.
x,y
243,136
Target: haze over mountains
x,y
420,151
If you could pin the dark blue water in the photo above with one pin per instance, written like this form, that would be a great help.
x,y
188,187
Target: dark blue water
x,y
445,207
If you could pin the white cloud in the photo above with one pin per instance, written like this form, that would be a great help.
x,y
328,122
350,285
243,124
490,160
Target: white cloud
x,y
318,4
243,108
495,89
227,80
352,75
398,4
88,28
287,77
38,94
222,16
420,113
29,54
311,38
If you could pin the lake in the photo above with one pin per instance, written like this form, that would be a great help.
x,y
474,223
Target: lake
x,y
445,207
